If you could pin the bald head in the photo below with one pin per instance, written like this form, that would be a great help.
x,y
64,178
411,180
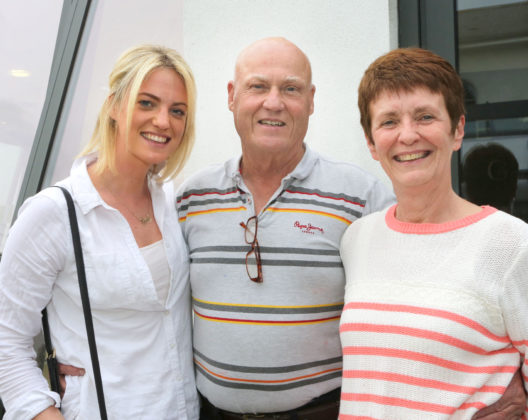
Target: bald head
x,y
275,49
271,98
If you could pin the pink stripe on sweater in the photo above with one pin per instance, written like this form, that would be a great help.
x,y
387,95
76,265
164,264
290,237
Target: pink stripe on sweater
x,y
425,358
432,228
421,333
430,312
399,402
421,382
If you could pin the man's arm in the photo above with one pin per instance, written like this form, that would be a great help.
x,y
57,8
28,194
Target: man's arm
x,y
511,405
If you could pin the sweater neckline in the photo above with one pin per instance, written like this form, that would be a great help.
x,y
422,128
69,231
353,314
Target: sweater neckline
x,y
432,228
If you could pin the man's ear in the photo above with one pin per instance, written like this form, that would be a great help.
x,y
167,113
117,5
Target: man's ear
x,y
372,147
312,91
230,94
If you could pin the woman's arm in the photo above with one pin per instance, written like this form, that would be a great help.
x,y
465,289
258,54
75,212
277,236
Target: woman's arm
x,y
33,255
50,413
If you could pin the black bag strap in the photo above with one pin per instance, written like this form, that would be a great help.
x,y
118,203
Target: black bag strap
x,y
85,303
50,355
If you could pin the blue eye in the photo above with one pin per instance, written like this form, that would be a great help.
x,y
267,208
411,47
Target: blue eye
x,y
178,112
387,123
145,103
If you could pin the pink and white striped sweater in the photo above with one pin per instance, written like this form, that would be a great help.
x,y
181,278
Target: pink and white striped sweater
x,y
435,321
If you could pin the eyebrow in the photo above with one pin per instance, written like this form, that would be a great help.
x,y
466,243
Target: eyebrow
x,y
288,79
150,95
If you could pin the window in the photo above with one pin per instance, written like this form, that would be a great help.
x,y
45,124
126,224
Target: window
x,y
487,41
27,56
493,63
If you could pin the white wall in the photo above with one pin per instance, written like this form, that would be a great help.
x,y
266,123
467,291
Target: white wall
x,y
340,37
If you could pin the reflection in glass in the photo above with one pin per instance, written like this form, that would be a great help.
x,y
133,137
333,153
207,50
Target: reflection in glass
x,y
493,63
26,63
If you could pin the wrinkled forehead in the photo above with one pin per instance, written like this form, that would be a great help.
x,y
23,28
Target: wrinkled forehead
x,y
271,58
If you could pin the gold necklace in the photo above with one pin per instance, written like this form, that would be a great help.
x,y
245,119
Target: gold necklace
x,y
142,219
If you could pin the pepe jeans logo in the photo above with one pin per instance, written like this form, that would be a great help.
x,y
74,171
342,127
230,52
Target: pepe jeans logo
x,y
309,228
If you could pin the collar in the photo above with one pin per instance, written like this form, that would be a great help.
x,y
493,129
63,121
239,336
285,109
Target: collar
x,y
302,170
86,196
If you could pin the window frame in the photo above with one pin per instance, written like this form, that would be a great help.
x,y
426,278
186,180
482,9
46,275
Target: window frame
x,y
74,19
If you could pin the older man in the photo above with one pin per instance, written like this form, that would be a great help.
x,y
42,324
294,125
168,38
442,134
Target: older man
x,y
263,232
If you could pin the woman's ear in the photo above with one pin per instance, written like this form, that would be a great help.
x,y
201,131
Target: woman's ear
x,y
113,109
459,133
372,147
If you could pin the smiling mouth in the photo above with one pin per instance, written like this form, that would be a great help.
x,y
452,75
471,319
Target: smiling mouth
x,y
411,156
272,123
156,138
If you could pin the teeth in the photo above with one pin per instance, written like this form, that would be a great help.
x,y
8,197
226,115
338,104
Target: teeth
x,y
273,123
411,156
157,139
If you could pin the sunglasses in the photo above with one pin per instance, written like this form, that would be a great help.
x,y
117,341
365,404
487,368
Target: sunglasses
x,y
253,262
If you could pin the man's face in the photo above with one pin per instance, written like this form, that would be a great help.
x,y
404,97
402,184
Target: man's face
x,y
272,97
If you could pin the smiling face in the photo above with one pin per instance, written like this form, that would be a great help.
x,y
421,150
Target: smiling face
x,y
413,139
158,120
272,97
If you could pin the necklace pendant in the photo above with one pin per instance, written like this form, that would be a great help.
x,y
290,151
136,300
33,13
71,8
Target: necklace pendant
x,y
145,219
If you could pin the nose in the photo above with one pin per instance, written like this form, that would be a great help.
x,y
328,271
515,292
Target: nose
x,y
408,132
161,119
273,100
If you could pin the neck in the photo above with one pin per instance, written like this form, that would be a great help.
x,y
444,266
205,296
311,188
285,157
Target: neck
x,y
432,206
263,174
133,185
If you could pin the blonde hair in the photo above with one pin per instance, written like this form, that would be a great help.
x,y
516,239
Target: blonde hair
x,y
129,72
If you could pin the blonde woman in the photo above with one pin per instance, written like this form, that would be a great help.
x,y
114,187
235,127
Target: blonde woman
x,y
135,257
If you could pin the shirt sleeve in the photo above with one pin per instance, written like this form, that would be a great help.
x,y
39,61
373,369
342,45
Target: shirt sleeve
x,y
515,305
380,197
33,255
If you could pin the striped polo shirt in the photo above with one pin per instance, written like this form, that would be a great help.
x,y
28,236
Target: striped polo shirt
x,y
271,346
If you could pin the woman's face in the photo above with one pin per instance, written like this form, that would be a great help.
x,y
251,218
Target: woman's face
x,y
413,139
158,120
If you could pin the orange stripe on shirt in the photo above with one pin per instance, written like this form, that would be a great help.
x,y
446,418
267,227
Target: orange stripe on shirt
x,y
264,322
320,213
262,381
211,211
325,196
431,312
426,358
236,305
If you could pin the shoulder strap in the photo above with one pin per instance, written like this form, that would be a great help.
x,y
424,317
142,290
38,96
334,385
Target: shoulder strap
x,y
85,302
51,360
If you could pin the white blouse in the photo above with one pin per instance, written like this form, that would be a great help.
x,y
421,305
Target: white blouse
x,y
144,346
156,259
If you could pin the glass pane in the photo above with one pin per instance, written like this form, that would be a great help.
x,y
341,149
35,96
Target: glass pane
x,y
28,31
493,49
495,171
493,63
89,83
